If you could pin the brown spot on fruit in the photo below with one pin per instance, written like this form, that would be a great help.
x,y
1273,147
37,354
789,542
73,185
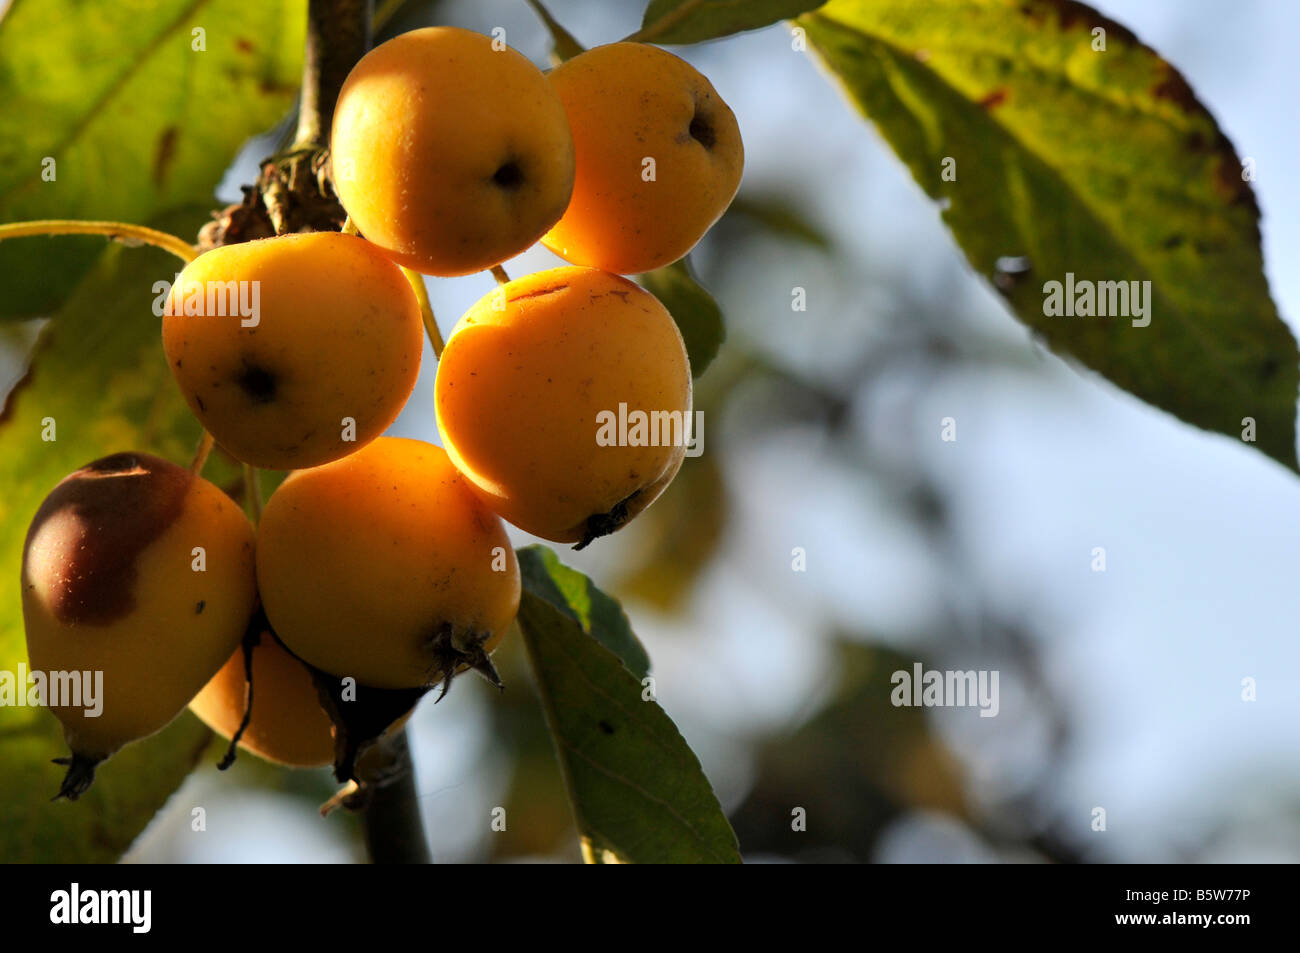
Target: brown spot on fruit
x,y
554,289
82,546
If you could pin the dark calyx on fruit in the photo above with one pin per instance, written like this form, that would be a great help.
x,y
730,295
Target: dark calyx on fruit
x,y
602,524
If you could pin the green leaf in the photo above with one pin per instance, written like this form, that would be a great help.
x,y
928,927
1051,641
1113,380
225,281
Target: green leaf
x,y
573,594
100,375
781,217
135,119
673,22
638,792
697,315
564,46
1100,164
681,534
856,764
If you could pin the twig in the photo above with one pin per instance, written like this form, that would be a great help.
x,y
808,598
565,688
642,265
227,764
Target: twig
x,y
393,827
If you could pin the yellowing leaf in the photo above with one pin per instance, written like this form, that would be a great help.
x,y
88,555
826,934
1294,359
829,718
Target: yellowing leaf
x,y
1054,157
126,110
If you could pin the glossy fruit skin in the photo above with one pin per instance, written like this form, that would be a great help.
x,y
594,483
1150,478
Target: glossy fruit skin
x,y
379,565
108,585
288,725
448,154
521,383
338,335
627,102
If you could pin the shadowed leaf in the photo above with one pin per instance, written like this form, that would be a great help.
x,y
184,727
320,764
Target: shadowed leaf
x,y
781,217
573,594
637,790
693,21
697,315
564,46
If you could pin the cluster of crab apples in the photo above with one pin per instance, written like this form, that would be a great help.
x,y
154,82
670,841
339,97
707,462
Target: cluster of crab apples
x,y
379,559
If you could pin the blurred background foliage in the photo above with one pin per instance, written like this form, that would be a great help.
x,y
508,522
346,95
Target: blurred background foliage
x,y
822,434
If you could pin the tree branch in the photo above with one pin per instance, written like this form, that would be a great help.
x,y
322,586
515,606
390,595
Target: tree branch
x,y
338,34
391,818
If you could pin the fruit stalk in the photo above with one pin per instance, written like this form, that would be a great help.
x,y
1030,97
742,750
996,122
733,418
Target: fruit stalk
x,y
201,453
416,281
253,492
